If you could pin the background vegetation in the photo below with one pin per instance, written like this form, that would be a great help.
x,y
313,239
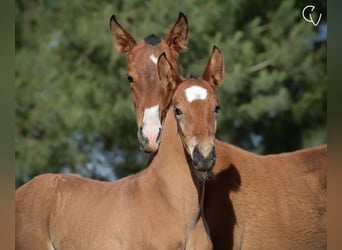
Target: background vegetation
x,y
73,106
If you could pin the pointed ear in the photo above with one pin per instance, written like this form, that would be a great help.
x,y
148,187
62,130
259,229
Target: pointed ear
x,y
123,41
214,70
167,74
177,38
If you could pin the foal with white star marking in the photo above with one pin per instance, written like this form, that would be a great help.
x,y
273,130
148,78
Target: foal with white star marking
x,y
157,208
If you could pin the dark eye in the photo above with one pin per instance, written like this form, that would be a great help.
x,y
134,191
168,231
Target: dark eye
x,y
178,111
130,79
217,109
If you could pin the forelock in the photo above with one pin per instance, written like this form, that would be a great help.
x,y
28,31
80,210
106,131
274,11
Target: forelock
x,y
152,40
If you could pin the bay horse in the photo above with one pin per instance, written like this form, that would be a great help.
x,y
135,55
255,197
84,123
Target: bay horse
x,y
256,202
157,208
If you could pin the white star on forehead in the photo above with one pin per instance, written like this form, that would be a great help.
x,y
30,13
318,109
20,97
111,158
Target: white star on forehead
x,y
154,58
195,93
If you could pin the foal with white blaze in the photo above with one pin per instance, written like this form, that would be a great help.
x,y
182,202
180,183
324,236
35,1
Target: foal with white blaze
x,y
149,102
158,208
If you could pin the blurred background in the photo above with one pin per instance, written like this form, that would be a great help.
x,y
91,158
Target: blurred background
x,y
73,106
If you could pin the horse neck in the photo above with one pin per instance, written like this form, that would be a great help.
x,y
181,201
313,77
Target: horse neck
x,y
172,167
171,145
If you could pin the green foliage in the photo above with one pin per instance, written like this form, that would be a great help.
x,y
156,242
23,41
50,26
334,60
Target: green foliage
x,y
73,105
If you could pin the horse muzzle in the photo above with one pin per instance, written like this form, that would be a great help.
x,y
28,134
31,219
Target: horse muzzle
x,y
149,143
201,162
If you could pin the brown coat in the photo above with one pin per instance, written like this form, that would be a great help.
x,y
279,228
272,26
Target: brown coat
x,y
268,202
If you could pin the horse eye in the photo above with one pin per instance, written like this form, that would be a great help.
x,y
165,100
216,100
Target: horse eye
x,y
178,111
130,79
217,109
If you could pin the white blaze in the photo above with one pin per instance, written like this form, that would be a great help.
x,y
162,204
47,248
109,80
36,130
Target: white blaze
x,y
195,93
151,116
151,124
154,58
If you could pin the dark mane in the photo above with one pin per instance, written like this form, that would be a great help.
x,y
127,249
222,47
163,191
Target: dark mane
x,y
152,40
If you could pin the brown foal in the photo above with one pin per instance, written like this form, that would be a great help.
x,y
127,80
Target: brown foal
x,y
157,208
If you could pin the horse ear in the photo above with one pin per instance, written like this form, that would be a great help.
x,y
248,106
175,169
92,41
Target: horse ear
x,y
177,38
123,41
166,73
214,70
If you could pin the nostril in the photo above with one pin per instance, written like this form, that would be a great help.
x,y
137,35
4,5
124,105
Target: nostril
x,y
158,137
213,154
140,133
196,154
141,137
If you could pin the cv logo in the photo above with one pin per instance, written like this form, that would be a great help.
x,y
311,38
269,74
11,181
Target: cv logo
x,y
310,19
